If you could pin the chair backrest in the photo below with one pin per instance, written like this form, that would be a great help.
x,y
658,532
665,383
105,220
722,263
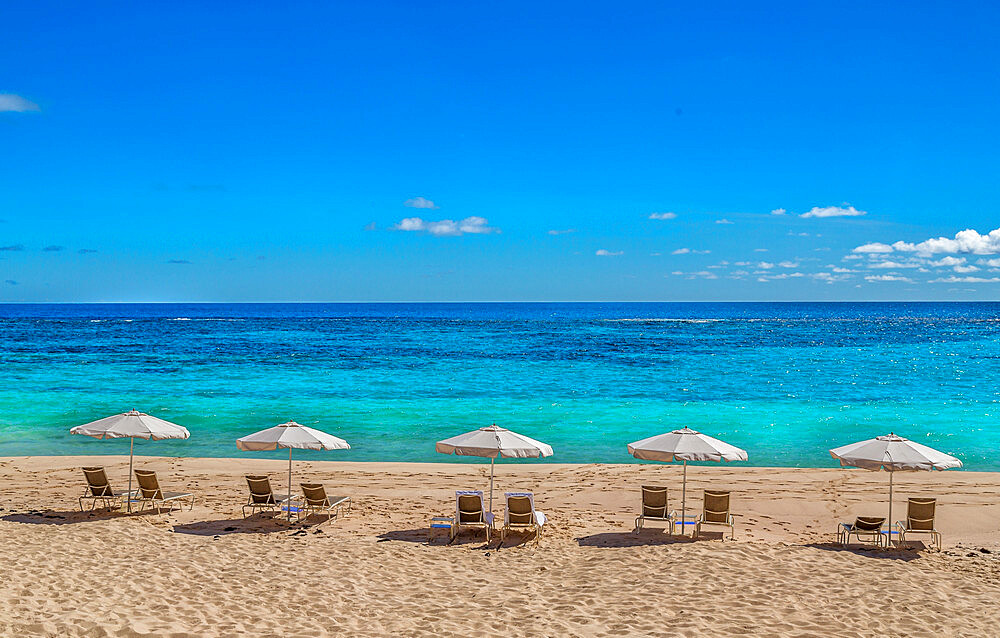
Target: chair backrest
x,y
654,501
314,493
716,507
260,490
97,481
920,513
520,508
149,487
869,523
469,507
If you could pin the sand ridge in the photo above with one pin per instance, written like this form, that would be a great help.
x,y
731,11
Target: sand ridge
x,y
208,572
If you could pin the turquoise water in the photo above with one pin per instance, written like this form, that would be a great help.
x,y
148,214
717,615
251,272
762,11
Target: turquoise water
x,y
784,381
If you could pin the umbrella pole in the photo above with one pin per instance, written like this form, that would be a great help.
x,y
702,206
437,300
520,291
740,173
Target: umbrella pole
x,y
684,487
890,506
288,503
492,459
131,448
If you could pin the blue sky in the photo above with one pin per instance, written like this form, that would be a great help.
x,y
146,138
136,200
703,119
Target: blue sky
x,y
435,152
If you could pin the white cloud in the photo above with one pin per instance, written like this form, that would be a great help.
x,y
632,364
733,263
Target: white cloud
x,y
893,265
969,268
874,247
834,211
791,234
723,221
16,103
838,269
447,227
760,250
663,215
992,263
681,251
965,241
788,264
778,211
608,253
691,251
889,277
766,265
562,232
420,202
948,261
965,280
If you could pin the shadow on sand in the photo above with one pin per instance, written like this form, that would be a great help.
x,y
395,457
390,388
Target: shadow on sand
x,y
643,538
256,524
72,517
908,552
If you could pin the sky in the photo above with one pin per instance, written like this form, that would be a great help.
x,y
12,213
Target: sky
x,y
160,152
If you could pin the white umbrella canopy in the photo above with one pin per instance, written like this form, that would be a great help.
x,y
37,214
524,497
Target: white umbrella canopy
x,y
685,445
290,435
493,441
133,425
894,454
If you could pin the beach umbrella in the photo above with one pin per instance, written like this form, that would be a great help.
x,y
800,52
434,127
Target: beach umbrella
x,y
685,445
491,442
134,425
893,454
291,435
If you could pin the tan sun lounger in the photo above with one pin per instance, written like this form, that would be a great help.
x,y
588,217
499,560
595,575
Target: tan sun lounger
x,y
151,494
716,512
470,511
655,508
864,528
521,515
262,497
317,502
919,520
98,489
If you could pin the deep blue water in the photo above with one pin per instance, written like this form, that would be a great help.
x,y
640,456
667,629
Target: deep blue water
x,y
785,381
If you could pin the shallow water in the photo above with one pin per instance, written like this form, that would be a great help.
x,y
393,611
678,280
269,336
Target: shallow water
x,y
784,381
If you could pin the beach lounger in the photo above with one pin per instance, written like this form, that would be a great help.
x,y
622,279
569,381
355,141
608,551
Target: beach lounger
x,y
470,511
98,489
151,494
315,501
864,528
262,497
716,512
521,515
655,508
919,520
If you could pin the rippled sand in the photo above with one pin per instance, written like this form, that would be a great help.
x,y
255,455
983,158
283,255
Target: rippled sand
x,y
208,572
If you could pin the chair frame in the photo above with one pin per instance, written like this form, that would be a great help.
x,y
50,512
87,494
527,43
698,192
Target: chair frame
x,y
669,517
905,528
486,519
532,526
846,530
332,506
271,503
729,520
159,498
107,495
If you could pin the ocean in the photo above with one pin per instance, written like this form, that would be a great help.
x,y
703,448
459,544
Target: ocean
x,y
785,381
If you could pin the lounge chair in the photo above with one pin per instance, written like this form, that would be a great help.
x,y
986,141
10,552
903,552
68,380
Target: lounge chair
x,y
521,515
919,520
470,511
262,497
151,494
315,501
655,508
864,528
716,512
98,489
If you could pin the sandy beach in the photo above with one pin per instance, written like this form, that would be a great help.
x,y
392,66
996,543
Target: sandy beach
x,y
207,572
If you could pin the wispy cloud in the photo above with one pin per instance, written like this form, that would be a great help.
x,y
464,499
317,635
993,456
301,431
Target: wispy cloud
x,y
834,211
447,227
874,247
609,253
663,215
889,277
420,202
690,251
723,221
53,249
562,232
778,211
16,103
965,280
13,248
370,226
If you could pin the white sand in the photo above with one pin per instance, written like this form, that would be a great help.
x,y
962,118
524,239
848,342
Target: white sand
x,y
207,572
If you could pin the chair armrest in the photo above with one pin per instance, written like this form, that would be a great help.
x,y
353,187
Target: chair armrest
x,y
901,526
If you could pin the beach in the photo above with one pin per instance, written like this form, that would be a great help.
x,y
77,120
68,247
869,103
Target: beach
x,y
208,572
